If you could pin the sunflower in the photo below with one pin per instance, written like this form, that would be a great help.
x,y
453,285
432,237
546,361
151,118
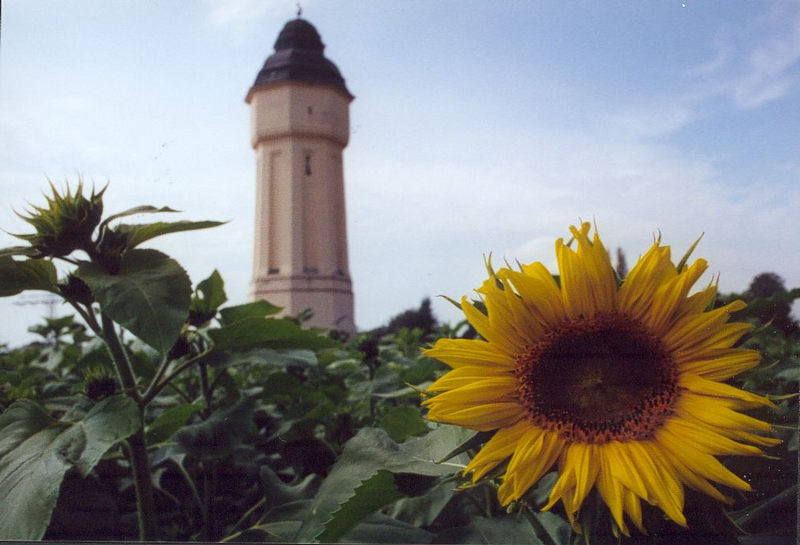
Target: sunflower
x,y
618,385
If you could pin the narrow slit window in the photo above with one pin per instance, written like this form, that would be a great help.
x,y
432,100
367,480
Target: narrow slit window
x,y
308,165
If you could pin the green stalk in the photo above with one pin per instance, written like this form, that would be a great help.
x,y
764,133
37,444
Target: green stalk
x,y
165,381
140,464
121,363
209,468
137,444
538,528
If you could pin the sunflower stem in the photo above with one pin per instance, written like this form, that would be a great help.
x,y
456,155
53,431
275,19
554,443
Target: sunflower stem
x,y
137,443
538,527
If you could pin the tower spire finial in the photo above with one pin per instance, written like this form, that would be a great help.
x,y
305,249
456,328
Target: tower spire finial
x,y
299,10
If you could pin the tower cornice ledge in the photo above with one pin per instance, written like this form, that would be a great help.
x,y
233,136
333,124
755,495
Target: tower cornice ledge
x,y
278,135
295,83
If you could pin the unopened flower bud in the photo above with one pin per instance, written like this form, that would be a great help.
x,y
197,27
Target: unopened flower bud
x,y
66,224
76,290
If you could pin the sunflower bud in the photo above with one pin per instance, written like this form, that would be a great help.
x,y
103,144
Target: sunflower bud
x,y
100,384
76,290
110,247
66,224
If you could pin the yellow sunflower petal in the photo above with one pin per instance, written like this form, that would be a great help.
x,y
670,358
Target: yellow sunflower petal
x,y
698,481
652,270
531,327
703,438
707,387
597,268
633,506
535,455
500,447
672,487
696,303
488,417
694,329
572,513
611,491
759,440
587,278
724,364
515,328
704,464
583,461
668,297
503,340
705,345
663,487
539,291
717,413
563,487
624,468
578,467
460,352
476,392
470,375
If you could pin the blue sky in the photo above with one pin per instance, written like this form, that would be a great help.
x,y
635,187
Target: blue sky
x,y
477,127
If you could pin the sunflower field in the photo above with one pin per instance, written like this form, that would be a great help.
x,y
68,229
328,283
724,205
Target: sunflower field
x,y
587,405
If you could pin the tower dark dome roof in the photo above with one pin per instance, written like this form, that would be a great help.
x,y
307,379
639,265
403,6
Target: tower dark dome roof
x,y
299,57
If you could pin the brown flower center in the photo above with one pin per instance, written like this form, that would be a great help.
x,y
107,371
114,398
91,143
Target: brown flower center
x,y
598,379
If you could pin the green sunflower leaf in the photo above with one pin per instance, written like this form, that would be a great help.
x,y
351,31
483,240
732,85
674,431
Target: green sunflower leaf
x,y
371,451
372,494
277,492
144,209
256,309
424,509
219,435
209,295
259,332
31,274
379,528
136,234
36,451
18,250
170,421
150,296
403,422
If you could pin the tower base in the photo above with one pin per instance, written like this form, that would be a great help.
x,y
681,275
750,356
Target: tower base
x,y
329,297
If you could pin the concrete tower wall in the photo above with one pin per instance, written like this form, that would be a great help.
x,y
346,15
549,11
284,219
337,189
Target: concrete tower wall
x,y
299,131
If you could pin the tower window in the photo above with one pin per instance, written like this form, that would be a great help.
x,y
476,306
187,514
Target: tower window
x,y
308,165
310,110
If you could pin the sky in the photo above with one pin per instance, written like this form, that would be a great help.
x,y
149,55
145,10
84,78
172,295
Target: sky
x,y
477,128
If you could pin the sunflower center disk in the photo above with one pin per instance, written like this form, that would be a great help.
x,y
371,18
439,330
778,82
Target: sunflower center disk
x,y
598,379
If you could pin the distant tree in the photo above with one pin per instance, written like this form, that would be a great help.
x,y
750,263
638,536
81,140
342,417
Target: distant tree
x,y
622,266
768,294
766,284
421,318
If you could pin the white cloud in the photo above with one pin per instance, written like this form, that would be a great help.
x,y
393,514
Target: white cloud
x,y
655,120
722,55
764,70
770,68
